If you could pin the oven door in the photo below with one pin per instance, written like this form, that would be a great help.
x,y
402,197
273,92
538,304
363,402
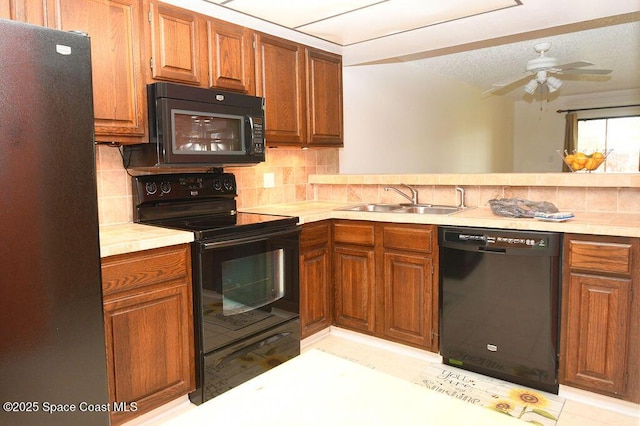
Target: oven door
x,y
245,285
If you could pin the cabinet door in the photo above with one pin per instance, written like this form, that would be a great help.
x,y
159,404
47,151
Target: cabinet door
x,y
324,94
408,298
148,338
230,57
598,321
36,12
175,44
354,281
315,289
118,85
280,76
148,316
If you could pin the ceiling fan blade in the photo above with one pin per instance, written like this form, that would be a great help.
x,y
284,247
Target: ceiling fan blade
x,y
505,87
587,71
577,64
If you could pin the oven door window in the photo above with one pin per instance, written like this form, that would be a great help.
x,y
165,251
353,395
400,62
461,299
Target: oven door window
x,y
252,281
198,133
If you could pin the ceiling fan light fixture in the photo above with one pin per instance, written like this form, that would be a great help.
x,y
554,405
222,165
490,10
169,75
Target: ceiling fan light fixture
x,y
531,86
553,84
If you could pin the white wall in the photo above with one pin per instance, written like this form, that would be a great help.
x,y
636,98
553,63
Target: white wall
x,y
539,133
539,128
398,118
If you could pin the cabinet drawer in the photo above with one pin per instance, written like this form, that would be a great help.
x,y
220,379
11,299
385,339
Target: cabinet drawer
x,y
353,233
130,271
314,234
412,238
598,256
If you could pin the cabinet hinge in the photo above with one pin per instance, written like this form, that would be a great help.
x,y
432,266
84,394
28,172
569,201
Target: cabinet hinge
x,y
151,63
149,17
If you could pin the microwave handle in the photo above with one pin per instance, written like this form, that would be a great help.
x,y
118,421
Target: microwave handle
x,y
251,148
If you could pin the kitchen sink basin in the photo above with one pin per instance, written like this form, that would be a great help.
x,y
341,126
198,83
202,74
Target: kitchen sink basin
x,y
374,208
430,209
403,208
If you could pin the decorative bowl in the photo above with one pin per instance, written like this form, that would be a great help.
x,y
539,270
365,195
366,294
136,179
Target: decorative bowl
x,y
577,160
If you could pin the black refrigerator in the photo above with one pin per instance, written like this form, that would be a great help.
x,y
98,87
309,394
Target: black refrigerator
x,y
52,350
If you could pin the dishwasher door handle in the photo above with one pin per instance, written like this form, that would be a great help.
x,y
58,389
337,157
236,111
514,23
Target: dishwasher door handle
x,y
492,250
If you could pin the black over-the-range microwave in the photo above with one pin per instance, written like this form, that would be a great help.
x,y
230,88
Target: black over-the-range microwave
x,y
198,127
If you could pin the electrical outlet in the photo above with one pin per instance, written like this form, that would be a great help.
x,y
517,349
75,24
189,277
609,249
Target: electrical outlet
x,y
269,180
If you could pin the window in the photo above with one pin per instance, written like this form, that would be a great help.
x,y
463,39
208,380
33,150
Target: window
x,y
621,135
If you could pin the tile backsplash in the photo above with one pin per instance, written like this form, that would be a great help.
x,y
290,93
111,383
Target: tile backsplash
x,y
290,168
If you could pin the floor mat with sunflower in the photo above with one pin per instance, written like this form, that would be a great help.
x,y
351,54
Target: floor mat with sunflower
x,y
533,406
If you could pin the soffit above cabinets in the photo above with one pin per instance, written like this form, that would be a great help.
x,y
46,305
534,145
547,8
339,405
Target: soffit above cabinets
x,y
347,22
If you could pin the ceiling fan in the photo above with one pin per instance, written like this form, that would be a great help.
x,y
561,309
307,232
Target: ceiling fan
x,y
544,68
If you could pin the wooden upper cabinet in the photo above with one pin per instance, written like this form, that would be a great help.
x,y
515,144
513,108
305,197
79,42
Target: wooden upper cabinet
x,y
36,12
118,84
230,56
280,79
324,95
175,44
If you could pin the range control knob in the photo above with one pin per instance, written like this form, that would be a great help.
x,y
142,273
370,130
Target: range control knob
x,y
151,188
165,187
217,185
228,184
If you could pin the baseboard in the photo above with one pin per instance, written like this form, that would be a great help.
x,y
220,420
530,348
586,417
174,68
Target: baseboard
x,y
600,401
372,341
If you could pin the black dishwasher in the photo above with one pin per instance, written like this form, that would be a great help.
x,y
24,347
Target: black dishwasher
x,y
499,292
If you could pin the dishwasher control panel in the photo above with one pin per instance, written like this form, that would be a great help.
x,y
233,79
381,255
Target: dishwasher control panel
x,y
497,238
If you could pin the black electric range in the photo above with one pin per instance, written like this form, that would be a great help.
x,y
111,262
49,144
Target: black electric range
x,y
202,203
245,266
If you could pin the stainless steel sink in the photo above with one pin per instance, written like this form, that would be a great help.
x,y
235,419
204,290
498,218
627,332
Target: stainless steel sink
x,y
373,208
403,208
430,209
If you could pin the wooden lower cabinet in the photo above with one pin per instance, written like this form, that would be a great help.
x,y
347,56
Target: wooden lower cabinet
x,y
410,284
315,277
355,284
600,339
148,328
386,282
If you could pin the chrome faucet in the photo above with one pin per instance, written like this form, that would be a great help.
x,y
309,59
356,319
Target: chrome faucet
x,y
414,194
461,191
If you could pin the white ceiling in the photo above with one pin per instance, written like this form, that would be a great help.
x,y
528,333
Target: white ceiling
x,y
347,22
477,42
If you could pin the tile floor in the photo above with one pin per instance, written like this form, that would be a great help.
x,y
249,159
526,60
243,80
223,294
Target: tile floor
x,y
580,409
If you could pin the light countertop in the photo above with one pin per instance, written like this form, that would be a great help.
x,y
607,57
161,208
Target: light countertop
x,y
599,223
317,388
132,237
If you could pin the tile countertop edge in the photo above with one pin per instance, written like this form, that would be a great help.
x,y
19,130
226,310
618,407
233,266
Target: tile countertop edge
x,y
601,180
597,223
132,237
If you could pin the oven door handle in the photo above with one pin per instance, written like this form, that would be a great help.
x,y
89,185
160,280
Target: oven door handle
x,y
245,240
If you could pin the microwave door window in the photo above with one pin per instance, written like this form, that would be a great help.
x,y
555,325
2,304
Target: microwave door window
x,y
200,133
